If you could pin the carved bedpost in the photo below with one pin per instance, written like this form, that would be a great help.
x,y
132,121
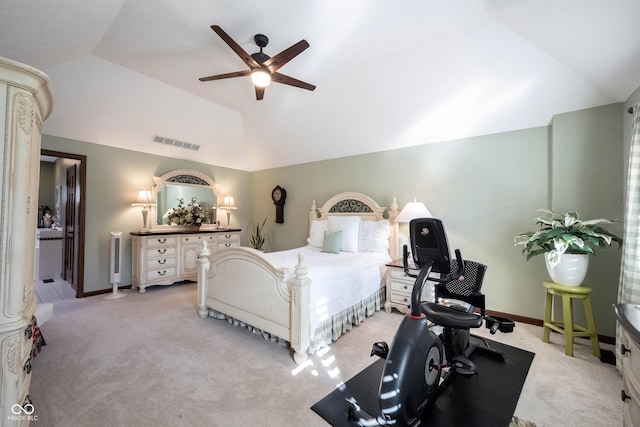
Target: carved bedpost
x,y
394,244
300,311
313,212
203,268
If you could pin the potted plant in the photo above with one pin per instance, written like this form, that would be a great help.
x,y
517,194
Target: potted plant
x,y
257,235
566,242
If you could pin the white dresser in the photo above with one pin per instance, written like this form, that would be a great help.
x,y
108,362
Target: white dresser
x,y
629,317
26,100
163,258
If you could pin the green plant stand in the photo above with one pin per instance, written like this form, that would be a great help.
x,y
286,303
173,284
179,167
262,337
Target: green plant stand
x,y
567,326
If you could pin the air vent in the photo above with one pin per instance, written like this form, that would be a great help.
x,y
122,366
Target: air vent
x,y
176,143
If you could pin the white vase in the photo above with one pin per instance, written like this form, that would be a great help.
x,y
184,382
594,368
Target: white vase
x,y
570,271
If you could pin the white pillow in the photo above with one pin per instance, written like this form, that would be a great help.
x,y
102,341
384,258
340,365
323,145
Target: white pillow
x,y
374,236
316,232
350,227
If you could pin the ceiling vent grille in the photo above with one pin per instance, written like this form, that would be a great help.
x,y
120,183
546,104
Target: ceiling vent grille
x,y
175,143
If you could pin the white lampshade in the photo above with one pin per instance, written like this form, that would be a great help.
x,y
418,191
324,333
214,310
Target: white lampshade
x,y
413,210
228,203
260,77
144,198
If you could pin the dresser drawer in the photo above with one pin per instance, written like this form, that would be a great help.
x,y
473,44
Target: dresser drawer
x,y
398,273
228,237
161,273
161,252
161,241
161,263
197,238
400,298
401,287
631,358
227,245
631,408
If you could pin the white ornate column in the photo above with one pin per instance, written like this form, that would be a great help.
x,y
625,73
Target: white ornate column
x,y
26,100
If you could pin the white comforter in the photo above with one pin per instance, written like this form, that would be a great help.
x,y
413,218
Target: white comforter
x,y
338,280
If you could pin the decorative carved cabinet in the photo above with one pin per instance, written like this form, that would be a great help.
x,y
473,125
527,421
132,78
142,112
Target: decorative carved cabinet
x,y
26,100
629,317
165,257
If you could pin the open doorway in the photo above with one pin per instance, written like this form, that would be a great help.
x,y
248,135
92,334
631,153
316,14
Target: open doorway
x,y
70,205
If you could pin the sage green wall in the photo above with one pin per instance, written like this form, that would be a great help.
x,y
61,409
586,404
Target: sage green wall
x,y
486,190
587,177
113,178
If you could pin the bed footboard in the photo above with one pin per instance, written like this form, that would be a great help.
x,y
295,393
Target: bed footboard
x,y
241,283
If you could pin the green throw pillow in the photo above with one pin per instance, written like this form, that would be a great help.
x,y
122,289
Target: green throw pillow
x,y
331,242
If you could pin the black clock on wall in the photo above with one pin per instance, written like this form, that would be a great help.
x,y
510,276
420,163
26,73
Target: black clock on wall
x,y
279,196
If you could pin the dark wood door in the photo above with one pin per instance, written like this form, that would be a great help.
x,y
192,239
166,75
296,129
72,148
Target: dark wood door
x,y
70,221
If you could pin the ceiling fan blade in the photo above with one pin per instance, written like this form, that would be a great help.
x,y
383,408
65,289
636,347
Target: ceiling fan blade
x,y
274,63
225,76
281,78
252,63
259,93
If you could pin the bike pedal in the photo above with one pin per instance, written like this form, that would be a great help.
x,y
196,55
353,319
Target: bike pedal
x,y
380,349
463,366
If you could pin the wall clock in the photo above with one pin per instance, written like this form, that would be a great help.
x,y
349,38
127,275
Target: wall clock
x,y
279,196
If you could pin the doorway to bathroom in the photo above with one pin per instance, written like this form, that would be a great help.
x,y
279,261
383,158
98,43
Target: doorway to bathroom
x,y
67,178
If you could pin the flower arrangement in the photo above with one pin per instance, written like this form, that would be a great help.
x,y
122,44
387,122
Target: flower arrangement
x,y
192,213
560,233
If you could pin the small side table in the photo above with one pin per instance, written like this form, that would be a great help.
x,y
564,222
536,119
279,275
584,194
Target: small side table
x,y
567,326
399,287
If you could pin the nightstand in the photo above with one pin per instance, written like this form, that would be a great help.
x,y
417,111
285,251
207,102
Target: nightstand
x,y
399,287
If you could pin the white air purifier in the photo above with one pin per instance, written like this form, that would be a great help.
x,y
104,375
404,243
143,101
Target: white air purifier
x,y
115,261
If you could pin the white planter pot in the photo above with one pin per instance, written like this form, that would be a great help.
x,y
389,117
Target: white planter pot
x,y
570,271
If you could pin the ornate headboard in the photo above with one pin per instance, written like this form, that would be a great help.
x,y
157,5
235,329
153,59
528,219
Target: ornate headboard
x,y
357,204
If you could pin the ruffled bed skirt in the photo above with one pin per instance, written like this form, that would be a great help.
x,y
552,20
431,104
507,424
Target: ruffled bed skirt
x,y
329,330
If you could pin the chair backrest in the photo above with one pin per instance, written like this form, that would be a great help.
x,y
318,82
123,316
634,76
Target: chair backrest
x,y
467,287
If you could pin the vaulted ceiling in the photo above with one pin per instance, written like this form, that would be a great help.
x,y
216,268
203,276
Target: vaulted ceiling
x,y
389,74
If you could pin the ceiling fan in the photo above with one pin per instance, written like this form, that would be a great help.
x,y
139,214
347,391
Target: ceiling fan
x,y
262,68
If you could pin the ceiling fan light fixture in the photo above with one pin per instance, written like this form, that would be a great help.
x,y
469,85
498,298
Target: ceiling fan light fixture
x,y
260,77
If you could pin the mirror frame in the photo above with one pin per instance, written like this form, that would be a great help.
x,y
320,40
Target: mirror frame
x,y
179,176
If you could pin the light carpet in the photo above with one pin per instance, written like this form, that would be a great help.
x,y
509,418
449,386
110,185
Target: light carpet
x,y
150,360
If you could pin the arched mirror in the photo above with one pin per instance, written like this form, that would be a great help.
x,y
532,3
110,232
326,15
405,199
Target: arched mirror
x,y
183,184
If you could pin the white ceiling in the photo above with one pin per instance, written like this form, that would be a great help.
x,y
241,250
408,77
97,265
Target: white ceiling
x,y
389,74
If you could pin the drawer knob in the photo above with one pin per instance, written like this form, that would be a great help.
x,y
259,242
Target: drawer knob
x,y
228,245
186,239
227,236
405,287
624,396
624,350
162,251
162,261
162,273
162,240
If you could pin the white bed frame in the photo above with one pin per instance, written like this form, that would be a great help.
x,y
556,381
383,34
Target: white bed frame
x,y
241,283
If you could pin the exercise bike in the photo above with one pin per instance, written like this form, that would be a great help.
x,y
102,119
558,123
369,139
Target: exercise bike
x,y
420,363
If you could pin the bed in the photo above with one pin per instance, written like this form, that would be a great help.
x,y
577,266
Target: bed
x,y
308,296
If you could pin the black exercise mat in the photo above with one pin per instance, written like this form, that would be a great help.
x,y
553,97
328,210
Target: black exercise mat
x,y
489,399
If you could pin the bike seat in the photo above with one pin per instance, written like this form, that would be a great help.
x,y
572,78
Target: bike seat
x,y
449,317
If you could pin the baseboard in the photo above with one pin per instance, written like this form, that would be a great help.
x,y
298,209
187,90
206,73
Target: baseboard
x,y
538,322
104,291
